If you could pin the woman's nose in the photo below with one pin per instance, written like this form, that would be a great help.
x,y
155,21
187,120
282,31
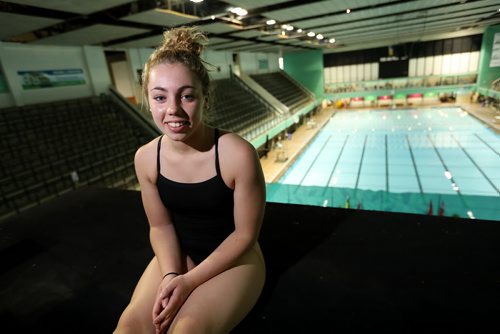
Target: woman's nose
x,y
172,107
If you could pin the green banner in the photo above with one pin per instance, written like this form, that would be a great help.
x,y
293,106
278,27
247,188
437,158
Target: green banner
x,y
51,78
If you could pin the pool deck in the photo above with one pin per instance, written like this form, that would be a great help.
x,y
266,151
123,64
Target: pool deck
x,y
274,169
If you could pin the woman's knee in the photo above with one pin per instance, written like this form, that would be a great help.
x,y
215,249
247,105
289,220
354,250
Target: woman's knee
x,y
184,324
134,321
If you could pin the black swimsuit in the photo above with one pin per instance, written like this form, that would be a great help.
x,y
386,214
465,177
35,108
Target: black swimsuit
x,y
202,213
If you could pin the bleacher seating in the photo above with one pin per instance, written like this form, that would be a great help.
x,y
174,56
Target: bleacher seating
x,y
52,148
238,110
283,89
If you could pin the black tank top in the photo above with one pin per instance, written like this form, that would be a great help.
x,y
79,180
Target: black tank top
x,y
202,212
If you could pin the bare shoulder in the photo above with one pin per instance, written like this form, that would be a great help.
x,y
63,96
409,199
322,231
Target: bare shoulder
x,y
238,159
235,147
145,158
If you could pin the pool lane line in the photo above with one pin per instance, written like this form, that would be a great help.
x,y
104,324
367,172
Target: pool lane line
x,y
335,165
386,164
475,164
486,143
452,180
414,164
361,162
314,161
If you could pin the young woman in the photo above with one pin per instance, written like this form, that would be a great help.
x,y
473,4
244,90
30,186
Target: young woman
x,y
203,192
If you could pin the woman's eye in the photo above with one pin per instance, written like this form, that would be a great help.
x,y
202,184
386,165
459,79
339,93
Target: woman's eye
x,y
188,97
159,98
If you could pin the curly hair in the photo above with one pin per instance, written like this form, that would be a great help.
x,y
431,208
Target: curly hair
x,y
180,45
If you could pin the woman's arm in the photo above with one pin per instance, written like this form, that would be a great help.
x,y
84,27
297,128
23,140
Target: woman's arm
x,y
241,168
162,233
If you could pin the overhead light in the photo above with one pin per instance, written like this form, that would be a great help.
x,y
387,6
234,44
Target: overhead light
x,y
319,36
331,40
196,1
299,30
348,11
289,28
238,11
270,22
311,34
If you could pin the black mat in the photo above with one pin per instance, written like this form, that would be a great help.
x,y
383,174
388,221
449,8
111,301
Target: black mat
x,y
70,266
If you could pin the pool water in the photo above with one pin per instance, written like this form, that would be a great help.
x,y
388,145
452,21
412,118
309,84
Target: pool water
x,y
432,160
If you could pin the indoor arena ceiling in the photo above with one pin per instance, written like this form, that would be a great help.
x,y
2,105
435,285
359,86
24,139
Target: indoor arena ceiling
x,y
344,25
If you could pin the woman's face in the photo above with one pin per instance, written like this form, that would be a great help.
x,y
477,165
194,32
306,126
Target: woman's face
x,y
176,100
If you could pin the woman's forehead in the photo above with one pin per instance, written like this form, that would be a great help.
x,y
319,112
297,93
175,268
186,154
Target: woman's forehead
x,y
175,73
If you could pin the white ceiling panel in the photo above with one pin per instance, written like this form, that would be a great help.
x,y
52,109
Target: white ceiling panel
x,y
218,40
95,34
148,42
218,28
161,17
73,6
12,25
247,33
254,3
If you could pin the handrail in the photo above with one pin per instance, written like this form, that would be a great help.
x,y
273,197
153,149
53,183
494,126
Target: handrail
x,y
132,112
298,85
243,84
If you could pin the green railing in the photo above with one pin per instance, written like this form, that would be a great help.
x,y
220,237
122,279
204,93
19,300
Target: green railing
x,y
463,206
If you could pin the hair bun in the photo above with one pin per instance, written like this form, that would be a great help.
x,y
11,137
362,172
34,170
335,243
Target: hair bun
x,y
185,39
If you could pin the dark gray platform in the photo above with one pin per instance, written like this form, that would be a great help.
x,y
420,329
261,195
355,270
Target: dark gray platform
x,y
70,266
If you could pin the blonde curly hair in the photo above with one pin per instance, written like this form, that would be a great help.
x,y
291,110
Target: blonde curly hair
x,y
180,45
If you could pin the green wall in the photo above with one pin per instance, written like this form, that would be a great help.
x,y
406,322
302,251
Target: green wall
x,y
486,73
307,68
3,84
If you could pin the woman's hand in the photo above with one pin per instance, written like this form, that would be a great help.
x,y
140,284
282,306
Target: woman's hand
x,y
172,294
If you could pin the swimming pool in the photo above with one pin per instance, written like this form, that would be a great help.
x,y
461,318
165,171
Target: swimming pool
x,y
425,160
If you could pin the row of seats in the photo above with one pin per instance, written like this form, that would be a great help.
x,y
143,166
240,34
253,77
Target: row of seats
x,y
283,89
237,109
52,148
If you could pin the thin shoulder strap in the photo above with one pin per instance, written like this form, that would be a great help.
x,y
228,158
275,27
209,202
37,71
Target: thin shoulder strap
x,y
158,155
216,135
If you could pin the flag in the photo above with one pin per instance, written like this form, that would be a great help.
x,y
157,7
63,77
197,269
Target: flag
x,y
441,209
430,211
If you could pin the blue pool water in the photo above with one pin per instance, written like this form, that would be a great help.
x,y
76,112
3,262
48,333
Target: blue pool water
x,y
406,160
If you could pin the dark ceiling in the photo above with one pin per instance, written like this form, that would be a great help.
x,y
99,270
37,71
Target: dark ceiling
x,y
118,24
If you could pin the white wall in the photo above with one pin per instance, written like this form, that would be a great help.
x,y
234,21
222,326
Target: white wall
x,y
21,57
124,81
252,63
221,61
97,69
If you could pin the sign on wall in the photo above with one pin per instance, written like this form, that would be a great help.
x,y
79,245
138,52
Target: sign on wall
x,y
51,78
495,51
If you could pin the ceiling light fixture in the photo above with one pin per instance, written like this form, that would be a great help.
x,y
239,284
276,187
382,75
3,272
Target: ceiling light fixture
x,y
196,1
348,11
319,36
270,22
311,34
238,11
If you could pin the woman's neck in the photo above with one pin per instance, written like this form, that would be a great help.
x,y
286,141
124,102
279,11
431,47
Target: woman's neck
x,y
201,140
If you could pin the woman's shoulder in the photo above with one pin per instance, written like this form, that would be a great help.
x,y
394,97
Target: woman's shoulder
x,y
146,154
232,143
148,148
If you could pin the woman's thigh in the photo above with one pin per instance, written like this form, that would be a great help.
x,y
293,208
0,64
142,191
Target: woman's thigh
x,y
139,313
222,302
